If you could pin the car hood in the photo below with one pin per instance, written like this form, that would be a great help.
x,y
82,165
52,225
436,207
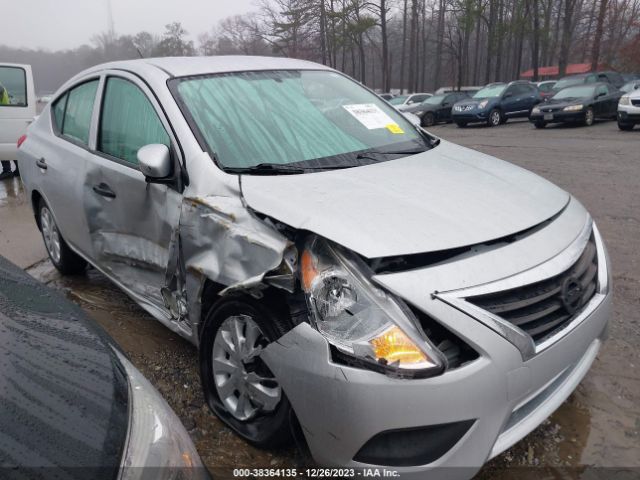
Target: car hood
x,y
556,103
64,398
444,198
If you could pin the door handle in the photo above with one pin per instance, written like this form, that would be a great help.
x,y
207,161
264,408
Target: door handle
x,y
42,163
104,190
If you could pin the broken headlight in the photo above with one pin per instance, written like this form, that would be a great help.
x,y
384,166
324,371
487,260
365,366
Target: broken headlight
x,y
357,317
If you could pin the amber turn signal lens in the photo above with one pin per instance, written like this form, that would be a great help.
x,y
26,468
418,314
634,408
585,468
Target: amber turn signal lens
x,y
393,345
308,270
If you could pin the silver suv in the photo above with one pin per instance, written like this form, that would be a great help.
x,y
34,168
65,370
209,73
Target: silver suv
x,y
398,300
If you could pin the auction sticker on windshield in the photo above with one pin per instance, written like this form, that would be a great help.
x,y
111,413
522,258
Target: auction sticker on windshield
x,y
371,116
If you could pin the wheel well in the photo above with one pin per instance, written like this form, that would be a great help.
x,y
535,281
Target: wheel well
x,y
274,299
35,203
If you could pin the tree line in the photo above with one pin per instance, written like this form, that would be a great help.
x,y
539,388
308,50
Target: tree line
x,y
407,45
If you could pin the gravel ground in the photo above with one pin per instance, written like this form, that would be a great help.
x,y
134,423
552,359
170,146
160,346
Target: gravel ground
x,y
598,426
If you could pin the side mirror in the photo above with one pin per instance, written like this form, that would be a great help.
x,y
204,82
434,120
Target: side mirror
x,y
508,95
446,104
601,94
155,161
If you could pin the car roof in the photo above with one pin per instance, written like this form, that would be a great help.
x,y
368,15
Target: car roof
x,y
191,66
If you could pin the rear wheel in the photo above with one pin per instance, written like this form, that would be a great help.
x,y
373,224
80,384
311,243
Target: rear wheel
x,y
428,120
238,385
540,124
63,258
625,126
495,118
589,117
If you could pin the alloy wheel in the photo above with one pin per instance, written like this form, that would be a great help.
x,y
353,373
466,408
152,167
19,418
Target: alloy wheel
x,y
244,384
589,117
495,118
50,234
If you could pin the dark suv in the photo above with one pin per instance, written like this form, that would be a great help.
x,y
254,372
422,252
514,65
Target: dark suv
x,y
496,103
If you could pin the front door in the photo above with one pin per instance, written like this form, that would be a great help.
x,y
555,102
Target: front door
x,y
131,222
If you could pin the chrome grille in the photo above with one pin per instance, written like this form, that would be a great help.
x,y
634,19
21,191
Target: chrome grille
x,y
636,102
541,309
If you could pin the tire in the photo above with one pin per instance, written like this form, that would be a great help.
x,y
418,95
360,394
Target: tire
x,y
540,124
266,424
461,124
66,261
625,126
428,120
589,117
495,118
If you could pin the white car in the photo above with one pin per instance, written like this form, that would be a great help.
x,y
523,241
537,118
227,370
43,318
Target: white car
x,y
17,106
405,101
629,110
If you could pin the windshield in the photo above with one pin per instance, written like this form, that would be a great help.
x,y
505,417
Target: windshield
x,y
575,92
399,100
279,118
567,82
489,92
435,100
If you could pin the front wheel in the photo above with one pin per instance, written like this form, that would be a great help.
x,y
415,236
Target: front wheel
x,y
428,120
540,124
625,126
495,118
589,117
63,258
238,386
461,124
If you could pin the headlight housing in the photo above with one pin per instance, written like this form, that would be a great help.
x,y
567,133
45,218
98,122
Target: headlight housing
x,y
157,445
358,318
625,100
573,108
535,110
483,104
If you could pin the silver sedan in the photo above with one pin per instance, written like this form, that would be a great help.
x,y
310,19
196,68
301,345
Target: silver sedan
x,y
399,300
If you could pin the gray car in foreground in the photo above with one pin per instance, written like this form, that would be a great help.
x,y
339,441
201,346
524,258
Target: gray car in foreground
x,y
395,299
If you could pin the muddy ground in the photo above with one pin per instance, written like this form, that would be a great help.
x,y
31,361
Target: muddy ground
x,y
598,426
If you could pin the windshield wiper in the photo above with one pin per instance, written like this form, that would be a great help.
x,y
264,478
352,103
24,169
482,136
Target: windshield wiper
x,y
371,153
266,169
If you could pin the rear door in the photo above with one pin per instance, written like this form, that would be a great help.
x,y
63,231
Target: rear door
x,y
61,159
17,106
130,221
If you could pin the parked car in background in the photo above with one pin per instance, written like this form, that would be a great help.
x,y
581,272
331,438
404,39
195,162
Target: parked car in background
x,y
404,101
496,103
630,76
17,106
630,86
629,110
437,108
73,406
614,78
546,88
311,300
571,80
578,104
386,96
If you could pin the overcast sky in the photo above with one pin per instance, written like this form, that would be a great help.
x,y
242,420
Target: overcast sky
x,y
60,24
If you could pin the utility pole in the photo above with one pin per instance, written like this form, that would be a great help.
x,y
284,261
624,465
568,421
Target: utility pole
x,y
111,29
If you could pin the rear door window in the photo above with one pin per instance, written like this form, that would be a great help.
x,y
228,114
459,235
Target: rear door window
x,y
58,112
128,121
13,87
78,111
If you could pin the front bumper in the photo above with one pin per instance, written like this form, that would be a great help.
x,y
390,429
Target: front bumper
x,y
501,394
629,113
558,117
470,116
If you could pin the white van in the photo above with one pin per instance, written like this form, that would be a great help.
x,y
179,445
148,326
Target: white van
x,y
17,106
